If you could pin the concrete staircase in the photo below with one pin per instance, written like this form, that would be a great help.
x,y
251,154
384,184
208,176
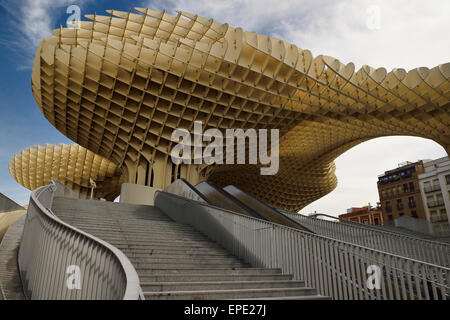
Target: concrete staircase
x,y
174,261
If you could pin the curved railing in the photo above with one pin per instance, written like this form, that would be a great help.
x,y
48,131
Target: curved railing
x,y
416,248
335,268
385,228
58,261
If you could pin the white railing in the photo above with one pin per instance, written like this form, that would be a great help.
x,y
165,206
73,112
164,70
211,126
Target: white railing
x,y
58,261
335,268
434,252
400,244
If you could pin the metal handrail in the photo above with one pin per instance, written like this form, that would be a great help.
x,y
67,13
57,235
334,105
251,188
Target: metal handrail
x,y
372,227
335,268
50,246
412,247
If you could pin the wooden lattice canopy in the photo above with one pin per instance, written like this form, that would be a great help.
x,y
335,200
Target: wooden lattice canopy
x,y
120,84
71,165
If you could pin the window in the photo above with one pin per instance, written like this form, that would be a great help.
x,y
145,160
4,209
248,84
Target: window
x,y
447,178
405,187
414,214
376,221
411,202
399,204
433,216
388,206
390,217
401,214
411,186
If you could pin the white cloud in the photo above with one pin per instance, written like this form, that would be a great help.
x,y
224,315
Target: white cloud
x,y
36,21
31,21
412,33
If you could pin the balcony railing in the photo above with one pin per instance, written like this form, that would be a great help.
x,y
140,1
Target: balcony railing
x,y
435,187
439,218
435,203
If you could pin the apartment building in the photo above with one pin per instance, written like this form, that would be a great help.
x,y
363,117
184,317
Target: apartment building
x,y
435,190
365,215
400,193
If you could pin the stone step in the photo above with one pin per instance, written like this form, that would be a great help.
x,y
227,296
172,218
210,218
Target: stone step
x,y
147,234
230,294
218,285
213,277
132,222
149,270
179,244
163,254
121,214
114,229
143,239
109,219
173,251
177,260
187,266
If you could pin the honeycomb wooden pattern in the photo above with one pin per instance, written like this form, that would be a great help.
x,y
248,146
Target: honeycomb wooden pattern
x,y
71,165
120,84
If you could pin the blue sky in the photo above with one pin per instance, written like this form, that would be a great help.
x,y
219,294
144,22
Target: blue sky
x,y
385,33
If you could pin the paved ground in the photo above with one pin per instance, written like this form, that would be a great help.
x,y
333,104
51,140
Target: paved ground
x,y
8,218
10,285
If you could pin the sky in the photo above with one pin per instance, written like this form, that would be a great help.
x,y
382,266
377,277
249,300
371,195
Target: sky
x,y
380,33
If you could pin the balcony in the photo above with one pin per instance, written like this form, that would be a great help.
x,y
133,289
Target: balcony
x,y
435,203
439,218
435,187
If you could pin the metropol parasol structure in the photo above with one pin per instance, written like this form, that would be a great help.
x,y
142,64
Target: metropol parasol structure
x,y
121,83
72,165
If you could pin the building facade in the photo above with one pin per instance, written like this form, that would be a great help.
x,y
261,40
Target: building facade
x,y
365,215
435,191
400,193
